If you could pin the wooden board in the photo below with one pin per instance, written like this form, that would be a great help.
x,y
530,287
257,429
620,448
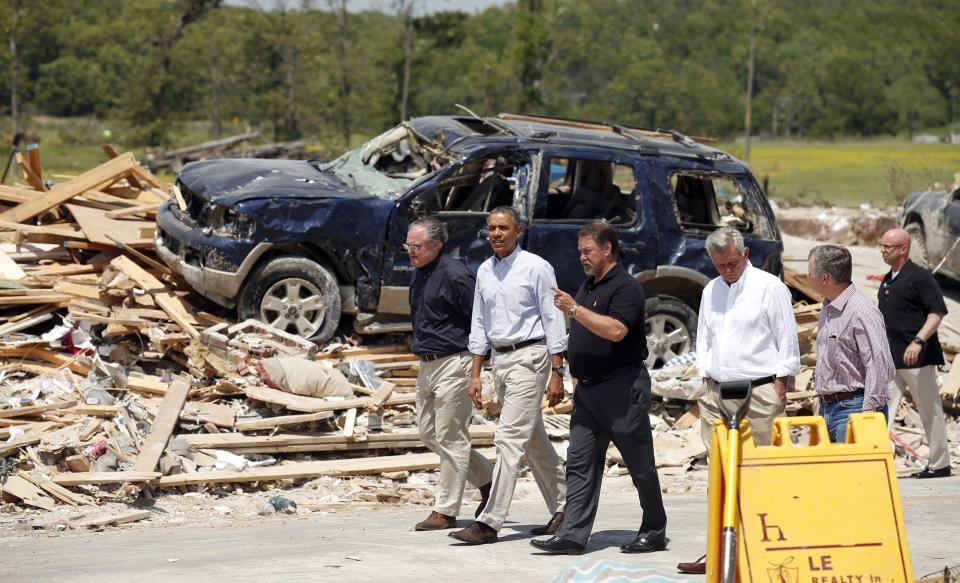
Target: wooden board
x,y
99,228
170,304
27,492
301,470
103,520
9,268
314,405
103,174
273,422
35,409
951,385
479,435
93,478
162,427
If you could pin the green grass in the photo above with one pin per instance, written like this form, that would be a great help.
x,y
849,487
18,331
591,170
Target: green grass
x,y
841,173
848,173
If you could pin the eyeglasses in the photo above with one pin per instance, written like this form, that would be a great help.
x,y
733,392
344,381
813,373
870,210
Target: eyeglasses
x,y
416,246
882,246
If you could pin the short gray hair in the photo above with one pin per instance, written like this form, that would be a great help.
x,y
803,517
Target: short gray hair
x,y
434,229
834,260
722,239
506,210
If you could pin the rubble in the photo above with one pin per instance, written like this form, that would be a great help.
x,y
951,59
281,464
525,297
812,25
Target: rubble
x,y
116,392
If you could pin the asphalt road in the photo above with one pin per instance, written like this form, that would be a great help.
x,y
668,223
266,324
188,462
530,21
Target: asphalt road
x,y
378,544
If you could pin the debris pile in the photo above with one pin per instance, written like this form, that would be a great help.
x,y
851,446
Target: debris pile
x,y
239,146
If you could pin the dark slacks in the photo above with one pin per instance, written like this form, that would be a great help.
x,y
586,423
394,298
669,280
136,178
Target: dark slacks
x,y
613,410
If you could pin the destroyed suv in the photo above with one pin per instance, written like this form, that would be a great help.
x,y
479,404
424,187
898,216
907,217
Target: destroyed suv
x,y
299,244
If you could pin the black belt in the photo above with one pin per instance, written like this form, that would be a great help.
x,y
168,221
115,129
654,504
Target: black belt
x,y
517,345
754,382
432,357
612,375
834,397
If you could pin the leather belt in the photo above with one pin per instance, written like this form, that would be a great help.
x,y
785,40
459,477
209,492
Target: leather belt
x,y
623,371
755,382
835,397
432,357
517,345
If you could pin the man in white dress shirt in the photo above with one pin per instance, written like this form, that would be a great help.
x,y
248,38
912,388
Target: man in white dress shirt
x,y
514,317
746,332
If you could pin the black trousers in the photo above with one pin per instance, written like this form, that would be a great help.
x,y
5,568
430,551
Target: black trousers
x,y
614,410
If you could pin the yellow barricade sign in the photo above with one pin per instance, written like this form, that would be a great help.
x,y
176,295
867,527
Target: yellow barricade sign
x,y
821,513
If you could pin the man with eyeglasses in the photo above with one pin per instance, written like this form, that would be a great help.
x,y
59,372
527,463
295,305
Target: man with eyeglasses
x,y
441,304
912,306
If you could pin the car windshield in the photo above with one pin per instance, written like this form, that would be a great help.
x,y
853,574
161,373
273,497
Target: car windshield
x,y
387,165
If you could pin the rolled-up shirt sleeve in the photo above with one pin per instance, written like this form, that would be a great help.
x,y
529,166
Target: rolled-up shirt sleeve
x,y
554,328
784,327
479,343
871,339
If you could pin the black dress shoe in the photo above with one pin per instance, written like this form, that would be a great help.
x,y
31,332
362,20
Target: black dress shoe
x,y
646,543
557,546
929,473
550,528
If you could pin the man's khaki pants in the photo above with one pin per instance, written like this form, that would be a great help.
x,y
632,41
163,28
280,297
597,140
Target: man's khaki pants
x,y
765,406
922,383
520,377
443,417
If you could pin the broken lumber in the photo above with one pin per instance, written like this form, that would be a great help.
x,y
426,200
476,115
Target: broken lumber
x,y
301,470
162,428
106,173
101,520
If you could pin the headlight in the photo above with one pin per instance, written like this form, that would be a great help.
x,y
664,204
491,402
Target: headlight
x,y
229,223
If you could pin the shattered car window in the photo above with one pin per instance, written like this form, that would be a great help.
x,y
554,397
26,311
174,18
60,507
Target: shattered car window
x,y
387,165
711,200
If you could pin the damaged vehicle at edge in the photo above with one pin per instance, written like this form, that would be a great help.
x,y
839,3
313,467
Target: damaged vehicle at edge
x,y
299,244
932,218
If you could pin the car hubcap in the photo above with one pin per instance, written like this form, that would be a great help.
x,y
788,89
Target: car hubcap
x,y
293,305
667,337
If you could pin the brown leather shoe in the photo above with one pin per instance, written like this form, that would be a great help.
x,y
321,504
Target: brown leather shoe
x,y
698,567
484,496
477,533
550,528
437,521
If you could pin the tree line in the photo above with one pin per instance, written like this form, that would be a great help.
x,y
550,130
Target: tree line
x,y
821,68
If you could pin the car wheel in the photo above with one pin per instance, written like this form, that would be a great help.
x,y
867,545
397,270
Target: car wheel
x,y
918,245
671,327
294,294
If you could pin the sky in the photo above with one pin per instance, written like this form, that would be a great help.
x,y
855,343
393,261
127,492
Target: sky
x,y
386,5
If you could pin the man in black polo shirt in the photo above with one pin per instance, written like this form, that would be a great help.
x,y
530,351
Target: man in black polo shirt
x,y
441,305
912,307
607,349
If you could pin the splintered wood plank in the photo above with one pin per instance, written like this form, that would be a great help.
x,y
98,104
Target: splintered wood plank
x,y
104,520
57,491
162,427
382,393
272,422
170,304
9,268
109,150
302,470
94,478
99,228
951,385
32,178
315,405
33,160
149,210
35,409
27,492
479,435
349,423
103,174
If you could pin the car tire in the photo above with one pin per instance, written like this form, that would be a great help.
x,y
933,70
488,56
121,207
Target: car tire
x,y
671,328
918,245
296,295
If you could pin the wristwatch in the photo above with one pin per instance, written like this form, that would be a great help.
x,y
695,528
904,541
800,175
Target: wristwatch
x,y
919,341
560,370
572,310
